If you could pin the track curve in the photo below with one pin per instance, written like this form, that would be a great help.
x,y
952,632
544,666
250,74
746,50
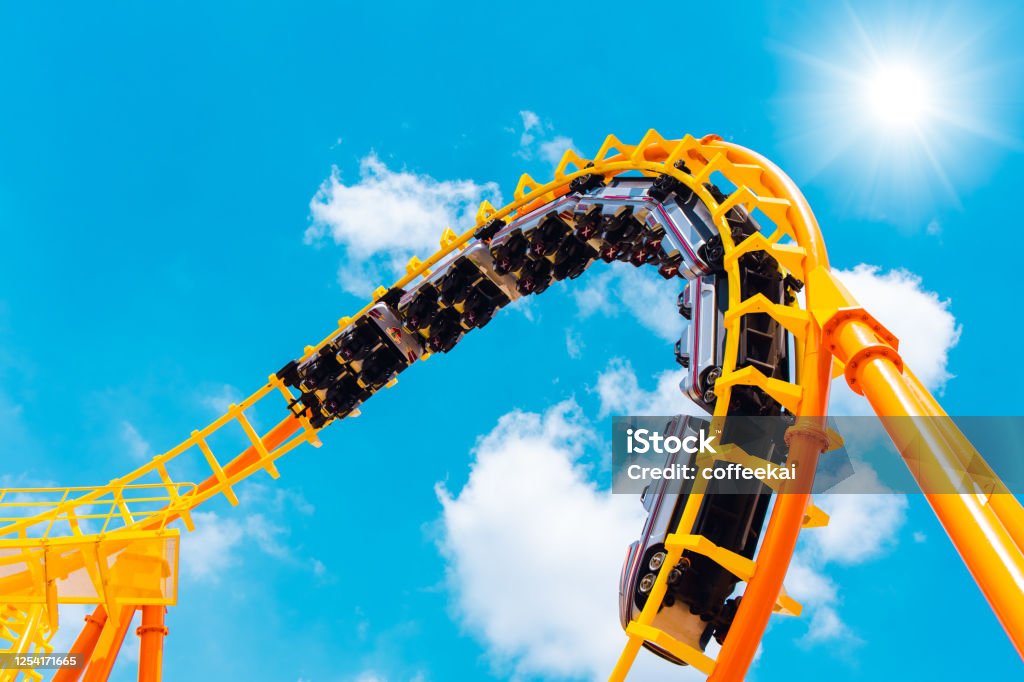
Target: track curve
x,y
794,243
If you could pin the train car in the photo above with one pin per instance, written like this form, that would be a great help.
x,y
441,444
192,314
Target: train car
x,y
664,500
698,603
635,219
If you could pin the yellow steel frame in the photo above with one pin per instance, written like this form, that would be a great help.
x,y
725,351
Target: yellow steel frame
x,y
831,325
23,630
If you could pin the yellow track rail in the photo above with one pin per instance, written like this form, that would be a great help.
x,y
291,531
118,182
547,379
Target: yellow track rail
x,y
821,328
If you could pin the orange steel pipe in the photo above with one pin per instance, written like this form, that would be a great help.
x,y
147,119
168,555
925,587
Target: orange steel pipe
x,y
1005,505
805,446
993,559
151,646
1008,509
84,644
102,661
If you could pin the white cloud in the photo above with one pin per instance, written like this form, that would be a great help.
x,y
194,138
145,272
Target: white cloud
x,y
212,548
525,306
861,527
268,536
805,584
573,344
388,216
138,447
275,500
516,537
594,295
374,676
71,619
369,676
218,543
641,292
531,123
619,392
827,626
920,319
553,150
920,537
538,140
222,397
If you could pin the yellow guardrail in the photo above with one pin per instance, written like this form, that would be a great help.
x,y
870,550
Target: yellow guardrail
x,y
75,557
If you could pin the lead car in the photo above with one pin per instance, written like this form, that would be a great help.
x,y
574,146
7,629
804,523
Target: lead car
x,y
698,605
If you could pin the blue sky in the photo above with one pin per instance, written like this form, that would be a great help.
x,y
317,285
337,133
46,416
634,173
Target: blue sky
x,y
162,256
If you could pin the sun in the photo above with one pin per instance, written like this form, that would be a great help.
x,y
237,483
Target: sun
x,y
897,96
883,106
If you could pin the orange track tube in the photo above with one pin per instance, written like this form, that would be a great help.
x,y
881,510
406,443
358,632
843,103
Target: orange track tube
x,y
275,437
787,519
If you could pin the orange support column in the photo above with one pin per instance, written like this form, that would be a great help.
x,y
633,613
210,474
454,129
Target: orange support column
x,y
1009,511
1003,504
84,645
151,647
991,555
875,369
110,640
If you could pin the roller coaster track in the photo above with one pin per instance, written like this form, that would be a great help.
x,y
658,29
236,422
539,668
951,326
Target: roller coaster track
x,y
114,546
